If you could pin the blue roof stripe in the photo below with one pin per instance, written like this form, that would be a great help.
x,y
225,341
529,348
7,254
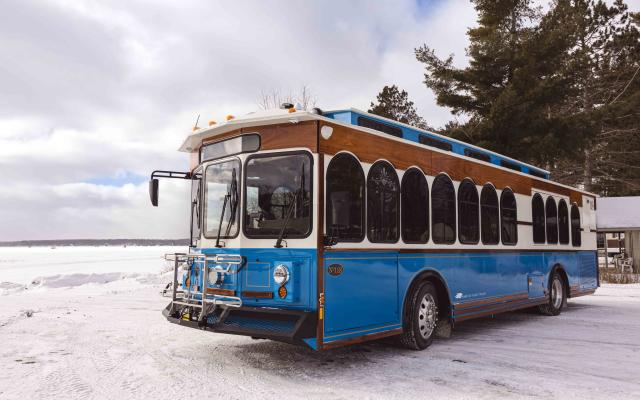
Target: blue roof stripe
x,y
413,134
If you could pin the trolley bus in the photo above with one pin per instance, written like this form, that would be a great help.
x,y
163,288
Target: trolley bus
x,y
332,228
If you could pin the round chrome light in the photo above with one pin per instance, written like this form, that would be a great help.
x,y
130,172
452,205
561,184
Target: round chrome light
x,y
281,274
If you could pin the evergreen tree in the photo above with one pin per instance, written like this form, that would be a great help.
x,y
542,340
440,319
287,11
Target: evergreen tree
x,y
394,104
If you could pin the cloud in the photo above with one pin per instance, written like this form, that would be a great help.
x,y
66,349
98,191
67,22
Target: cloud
x,y
91,92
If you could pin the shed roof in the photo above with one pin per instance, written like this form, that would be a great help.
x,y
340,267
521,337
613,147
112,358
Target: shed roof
x,y
616,214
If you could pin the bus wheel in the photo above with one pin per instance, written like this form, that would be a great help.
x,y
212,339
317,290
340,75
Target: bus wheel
x,y
556,297
420,325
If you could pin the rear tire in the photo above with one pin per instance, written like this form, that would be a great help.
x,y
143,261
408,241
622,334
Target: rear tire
x,y
557,296
422,317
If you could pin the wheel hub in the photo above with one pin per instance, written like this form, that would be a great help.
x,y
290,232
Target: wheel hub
x,y
427,315
556,293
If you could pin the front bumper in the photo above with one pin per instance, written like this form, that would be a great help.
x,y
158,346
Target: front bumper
x,y
289,326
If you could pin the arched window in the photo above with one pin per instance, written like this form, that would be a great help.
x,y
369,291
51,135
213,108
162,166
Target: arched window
x,y
576,231
537,216
415,207
383,203
508,217
443,210
551,212
345,199
468,213
563,222
489,215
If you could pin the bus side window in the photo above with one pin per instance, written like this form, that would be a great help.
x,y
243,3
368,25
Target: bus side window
x,y
576,238
468,213
537,213
345,199
490,215
508,217
383,203
563,222
552,220
443,210
414,207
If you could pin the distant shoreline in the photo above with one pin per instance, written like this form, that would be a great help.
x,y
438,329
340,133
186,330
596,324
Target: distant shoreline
x,y
96,242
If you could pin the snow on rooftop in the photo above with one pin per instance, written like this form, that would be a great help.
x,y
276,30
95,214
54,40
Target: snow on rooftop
x,y
618,213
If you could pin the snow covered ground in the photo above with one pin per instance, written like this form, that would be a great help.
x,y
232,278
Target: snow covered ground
x,y
89,326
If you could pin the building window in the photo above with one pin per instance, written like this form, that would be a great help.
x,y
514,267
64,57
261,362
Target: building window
x,y
508,217
415,207
468,213
563,222
551,212
345,199
433,142
383,208
576,231
537,216
443,210
489,215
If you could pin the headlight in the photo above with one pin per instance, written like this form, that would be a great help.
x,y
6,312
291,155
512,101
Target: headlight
x,y
281,274
215,277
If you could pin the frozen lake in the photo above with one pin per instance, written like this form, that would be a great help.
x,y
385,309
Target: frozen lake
x,y
95,331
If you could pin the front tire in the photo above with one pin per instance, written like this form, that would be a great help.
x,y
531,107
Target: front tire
x,y
557,296
422,318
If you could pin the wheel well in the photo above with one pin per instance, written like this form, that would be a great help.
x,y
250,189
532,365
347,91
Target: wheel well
x,y
563,276
443,293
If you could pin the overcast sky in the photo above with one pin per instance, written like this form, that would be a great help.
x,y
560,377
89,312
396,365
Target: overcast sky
x,y
96,95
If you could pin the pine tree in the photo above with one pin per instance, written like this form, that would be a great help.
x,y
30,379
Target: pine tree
x,y
394,104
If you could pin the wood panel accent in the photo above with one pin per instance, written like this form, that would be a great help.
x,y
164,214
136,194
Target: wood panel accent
x,y
361,339
528,223
446,250
221,292
370,148
320,255
490,302
279,136
512,306
258,295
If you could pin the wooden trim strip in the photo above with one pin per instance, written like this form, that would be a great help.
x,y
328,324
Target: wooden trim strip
x,y
579,293
258,295
320,252
221,292
361,339
506,307
490,301
449,250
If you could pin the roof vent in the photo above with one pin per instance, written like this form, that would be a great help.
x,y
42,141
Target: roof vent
x,y
316,110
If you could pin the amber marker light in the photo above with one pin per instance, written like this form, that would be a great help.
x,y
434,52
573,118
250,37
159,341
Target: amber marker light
x,y
212,123
282,292
195,128
291,110
230,117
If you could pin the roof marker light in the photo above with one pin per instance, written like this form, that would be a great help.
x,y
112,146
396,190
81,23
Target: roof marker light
x,y
212,123
230,117
291,110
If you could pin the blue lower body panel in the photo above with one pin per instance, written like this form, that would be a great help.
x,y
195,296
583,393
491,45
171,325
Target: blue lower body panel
x,y
368,294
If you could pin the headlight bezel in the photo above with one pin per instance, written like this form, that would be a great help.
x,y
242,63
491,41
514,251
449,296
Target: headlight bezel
x,y
281,274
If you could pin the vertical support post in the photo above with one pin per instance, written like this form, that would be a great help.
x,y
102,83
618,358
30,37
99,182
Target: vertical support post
x,y
174,284
205,280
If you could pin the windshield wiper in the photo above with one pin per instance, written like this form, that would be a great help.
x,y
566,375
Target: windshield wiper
x,y
278,244
224,208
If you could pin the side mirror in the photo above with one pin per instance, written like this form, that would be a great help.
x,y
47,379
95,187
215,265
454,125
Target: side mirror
x,y
153,191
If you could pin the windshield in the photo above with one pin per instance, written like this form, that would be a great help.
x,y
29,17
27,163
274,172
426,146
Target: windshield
x,y
271,185
221,186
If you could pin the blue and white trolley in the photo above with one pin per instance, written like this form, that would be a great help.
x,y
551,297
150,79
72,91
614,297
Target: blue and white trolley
x,y
332,228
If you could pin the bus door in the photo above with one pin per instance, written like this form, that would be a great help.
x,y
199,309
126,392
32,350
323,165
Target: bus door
x,y
361,293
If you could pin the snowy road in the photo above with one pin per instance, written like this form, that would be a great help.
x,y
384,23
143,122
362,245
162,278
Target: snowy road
x,y
97,334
